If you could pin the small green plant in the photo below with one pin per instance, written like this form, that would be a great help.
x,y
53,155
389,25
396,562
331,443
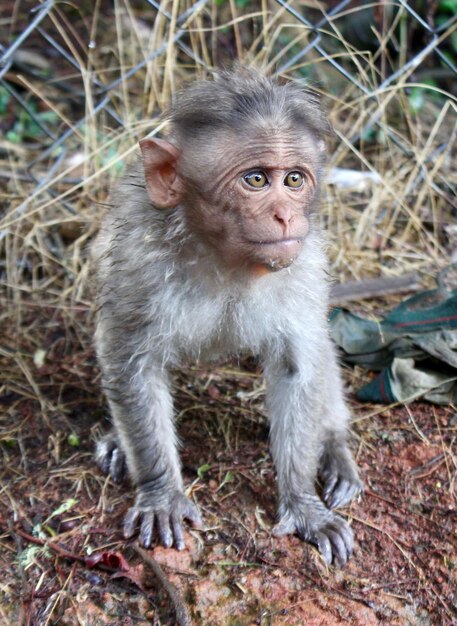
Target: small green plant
x,y
418,95
73,440
25,126
203,469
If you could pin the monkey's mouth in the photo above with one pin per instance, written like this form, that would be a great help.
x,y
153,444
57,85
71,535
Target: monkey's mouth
x,y
290,244
277,254
289,241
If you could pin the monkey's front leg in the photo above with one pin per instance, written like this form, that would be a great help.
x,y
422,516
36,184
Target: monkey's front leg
x,y
142,412
295,403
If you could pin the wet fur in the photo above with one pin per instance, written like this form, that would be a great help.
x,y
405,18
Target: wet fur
x,y
165,298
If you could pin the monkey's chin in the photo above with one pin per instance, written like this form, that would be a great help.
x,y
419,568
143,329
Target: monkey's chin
x,y
275,265
278,255
260,268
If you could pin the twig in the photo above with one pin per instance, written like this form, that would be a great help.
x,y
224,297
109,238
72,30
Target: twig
x,y
181,613
373,288
71,556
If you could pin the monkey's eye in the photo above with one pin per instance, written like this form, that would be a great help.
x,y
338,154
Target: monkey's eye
x,y
256,179
294,180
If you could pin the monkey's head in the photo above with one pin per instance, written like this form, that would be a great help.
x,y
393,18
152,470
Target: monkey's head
x,y
242,161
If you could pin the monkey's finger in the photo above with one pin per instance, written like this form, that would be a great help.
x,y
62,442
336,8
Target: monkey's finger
x,y
163,526
324,546
347,534
103,454
178,533
130,521
354,491
104,463
343,494
147,524
338,495
117,465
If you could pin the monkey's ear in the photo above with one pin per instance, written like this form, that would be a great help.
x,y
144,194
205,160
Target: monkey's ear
x,y
163,184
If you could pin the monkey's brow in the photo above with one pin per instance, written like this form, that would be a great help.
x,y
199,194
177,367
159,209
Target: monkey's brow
x,y
273,152
271,166
270,159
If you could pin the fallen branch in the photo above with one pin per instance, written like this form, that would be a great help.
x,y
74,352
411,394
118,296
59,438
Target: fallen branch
x,y
181,613
54,547
373,288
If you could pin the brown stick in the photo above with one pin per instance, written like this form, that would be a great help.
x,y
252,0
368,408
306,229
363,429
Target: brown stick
x,y
373,288
181,613
71,556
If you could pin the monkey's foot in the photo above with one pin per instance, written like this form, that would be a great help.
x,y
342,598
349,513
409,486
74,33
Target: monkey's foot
x,y
164,520
110,458
313,522
339,476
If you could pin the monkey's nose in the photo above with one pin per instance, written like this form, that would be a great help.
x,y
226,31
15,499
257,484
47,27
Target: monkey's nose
x,y
283,215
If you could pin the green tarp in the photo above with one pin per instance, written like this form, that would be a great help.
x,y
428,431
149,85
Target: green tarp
x,y
413,348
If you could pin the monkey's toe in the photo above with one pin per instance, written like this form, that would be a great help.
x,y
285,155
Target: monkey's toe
x,y
110,458
339,477
313,522
335,541
341,493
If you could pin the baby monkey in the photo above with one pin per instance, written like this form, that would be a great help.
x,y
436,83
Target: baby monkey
x,y
211,249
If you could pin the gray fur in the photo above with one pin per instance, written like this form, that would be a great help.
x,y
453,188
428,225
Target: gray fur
x,y
164,297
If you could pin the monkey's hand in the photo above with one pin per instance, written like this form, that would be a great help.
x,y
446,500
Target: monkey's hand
x,y
162,516
312,521
339,476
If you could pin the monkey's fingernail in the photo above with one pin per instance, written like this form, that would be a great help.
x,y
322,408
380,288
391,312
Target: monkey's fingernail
x,y
130,522
180,545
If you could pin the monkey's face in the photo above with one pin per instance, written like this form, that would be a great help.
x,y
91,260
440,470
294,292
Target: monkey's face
x,y
249,198
254,202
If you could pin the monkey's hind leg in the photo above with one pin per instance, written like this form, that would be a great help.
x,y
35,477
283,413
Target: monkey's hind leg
x,y
308,435
337,471
110,458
